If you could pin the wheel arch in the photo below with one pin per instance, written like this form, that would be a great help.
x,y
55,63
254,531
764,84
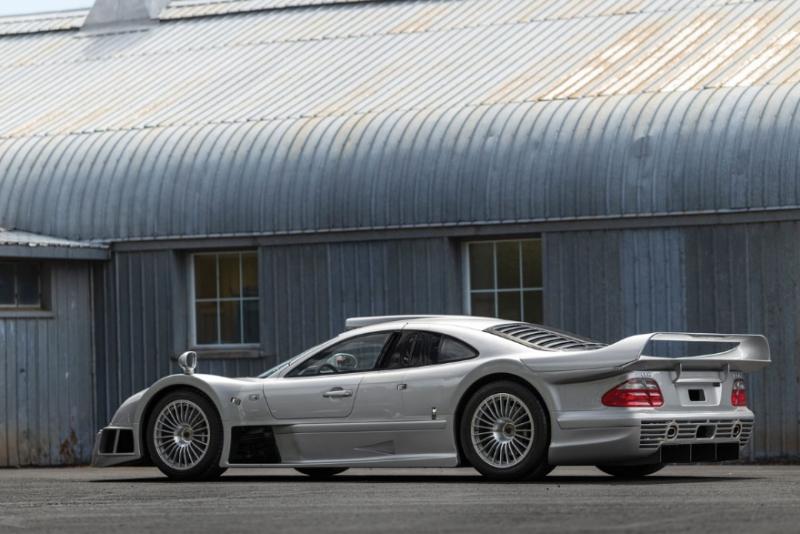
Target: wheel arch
x,y
479,383
147,411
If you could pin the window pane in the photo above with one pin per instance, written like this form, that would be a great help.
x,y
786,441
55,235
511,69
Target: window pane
x,y
482,304
7,284
533,306
28,280
508,264
414,349
229,276
532,263
481,266
508,304
250,275
205,276
358,354
230,322
451,350
206,321
251,321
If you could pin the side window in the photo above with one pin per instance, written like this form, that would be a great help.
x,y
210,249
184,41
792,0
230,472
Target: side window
x,y
415,349
452,350
351,356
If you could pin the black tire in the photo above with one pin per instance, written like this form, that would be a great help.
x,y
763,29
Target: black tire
x,y
532,462
207,467
321,473
630,471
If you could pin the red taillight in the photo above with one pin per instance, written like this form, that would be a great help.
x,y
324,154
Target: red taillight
x,y
739,393
635,393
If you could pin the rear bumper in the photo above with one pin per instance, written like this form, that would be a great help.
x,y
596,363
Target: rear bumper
x,y
643,437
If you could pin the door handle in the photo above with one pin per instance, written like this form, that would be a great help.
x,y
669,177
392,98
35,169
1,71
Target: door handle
x,y
401,387
337,393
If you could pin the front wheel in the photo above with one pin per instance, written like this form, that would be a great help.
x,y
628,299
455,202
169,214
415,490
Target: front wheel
x,y
184,436
504,432
321,473
630,471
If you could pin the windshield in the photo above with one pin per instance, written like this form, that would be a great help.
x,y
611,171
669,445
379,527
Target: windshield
x,y
274,370
283,365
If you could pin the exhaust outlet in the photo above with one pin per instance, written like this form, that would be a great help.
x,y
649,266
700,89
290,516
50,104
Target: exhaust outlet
x,y
736,431
672,431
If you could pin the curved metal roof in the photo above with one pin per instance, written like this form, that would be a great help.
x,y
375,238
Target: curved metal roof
x,y
400,114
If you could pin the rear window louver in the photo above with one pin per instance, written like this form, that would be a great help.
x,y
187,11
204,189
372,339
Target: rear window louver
x,y
541,338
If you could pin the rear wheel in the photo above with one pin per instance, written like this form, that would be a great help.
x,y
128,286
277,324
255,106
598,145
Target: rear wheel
x,y
630,471
184,436
321,473
504,432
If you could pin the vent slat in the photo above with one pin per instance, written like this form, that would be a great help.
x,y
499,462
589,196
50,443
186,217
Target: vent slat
x,y
541,338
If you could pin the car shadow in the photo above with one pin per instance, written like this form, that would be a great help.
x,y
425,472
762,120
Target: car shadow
x,y
439,479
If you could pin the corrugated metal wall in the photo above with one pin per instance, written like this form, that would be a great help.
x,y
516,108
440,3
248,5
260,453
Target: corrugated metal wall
x,y
699,151
46,377
141,305
739,278
141,310
309,290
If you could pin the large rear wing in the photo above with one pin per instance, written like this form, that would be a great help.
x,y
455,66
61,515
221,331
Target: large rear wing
x,y
748,353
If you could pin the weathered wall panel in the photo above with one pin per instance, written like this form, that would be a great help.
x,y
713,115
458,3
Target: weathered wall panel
x,y
309,290
141,311
46,385
733,278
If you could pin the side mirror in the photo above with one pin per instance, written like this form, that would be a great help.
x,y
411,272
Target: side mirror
x,y
188,362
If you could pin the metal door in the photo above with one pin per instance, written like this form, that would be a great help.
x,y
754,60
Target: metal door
x,y
312,397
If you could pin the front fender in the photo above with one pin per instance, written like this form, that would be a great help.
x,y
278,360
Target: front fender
x,y
250,407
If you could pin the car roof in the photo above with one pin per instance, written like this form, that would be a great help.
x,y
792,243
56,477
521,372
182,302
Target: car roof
x,y
365,324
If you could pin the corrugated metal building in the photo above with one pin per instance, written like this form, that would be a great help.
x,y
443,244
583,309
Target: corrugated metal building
x,y
241,175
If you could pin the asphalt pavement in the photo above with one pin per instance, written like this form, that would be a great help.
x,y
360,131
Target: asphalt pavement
x,y
740,499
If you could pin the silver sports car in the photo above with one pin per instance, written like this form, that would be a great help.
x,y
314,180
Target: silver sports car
x,y
513,400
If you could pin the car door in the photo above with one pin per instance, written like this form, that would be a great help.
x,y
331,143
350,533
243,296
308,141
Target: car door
x,y
432,373
325,385
433,376
384,423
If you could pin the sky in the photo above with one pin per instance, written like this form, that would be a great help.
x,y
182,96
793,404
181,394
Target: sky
x,y
15,7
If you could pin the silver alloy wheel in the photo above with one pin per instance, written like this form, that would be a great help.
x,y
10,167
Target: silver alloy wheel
x,y
181,434
502,430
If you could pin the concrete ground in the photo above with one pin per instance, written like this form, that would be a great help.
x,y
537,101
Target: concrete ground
x,y
738,499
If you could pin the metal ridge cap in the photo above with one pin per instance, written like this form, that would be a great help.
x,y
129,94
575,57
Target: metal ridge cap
x,y
310,4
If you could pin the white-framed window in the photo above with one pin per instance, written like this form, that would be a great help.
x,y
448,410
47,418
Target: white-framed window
x,y
224,299
504,279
